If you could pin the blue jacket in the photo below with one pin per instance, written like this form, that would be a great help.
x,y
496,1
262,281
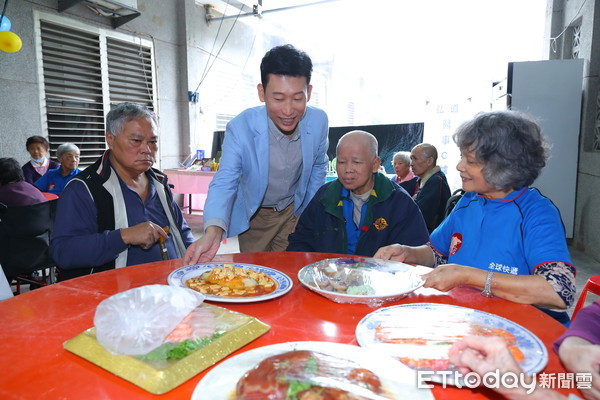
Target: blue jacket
x,y
391,217
238,188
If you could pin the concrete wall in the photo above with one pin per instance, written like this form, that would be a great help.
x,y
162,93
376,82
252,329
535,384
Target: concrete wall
x,y
182,43
560,15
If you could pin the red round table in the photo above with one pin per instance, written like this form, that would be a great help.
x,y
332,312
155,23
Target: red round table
x,y
35,325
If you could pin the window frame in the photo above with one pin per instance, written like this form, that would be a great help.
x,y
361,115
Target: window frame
x,y
103,84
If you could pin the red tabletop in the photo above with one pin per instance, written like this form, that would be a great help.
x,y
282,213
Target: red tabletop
x,y
50,196
35,324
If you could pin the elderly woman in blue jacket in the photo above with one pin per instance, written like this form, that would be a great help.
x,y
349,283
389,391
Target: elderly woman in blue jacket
x,y
502,237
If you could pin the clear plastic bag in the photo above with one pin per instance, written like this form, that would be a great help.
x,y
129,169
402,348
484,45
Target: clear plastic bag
x,y
137,321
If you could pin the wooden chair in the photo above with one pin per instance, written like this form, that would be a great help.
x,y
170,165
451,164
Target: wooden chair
x,y
25,236
592,285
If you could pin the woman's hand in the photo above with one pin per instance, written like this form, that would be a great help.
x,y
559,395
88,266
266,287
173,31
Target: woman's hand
x,y
484,355
447,277
580,356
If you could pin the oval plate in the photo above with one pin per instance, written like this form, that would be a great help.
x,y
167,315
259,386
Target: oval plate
x,y
435,322
308,276
220,382
181,275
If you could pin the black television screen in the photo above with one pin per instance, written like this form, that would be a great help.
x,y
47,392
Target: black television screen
x,y
391,138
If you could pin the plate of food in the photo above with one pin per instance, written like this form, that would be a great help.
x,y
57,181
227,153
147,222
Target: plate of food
x,y
361,280
421,334
294,369
232,282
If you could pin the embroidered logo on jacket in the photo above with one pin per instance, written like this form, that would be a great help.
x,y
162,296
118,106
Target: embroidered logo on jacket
x,y
455,243
380,224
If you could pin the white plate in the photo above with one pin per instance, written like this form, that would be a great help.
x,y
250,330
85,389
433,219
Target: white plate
x,y
181,275
389,280
436,322
220,382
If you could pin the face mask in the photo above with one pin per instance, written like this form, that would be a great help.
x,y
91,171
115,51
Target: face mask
x,y
39,160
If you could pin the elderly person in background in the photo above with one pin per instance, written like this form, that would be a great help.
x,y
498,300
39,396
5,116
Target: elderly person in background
x,y
502,236
14,191
360,211
433,190
404,175
55,180
38,165
113,214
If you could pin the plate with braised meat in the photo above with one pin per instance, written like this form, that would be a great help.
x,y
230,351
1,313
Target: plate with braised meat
x,y
310,370
232,282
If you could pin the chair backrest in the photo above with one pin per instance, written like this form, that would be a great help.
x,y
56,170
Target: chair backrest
x,y
592,285
456,196
24,235
28,221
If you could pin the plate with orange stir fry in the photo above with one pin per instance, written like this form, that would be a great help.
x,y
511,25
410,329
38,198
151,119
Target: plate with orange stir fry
x,y
421,334
232,282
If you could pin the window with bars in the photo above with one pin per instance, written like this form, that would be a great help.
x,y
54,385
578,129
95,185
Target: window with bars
x,y
84,72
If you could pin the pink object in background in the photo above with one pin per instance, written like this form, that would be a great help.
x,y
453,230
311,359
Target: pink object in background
x,y
193,183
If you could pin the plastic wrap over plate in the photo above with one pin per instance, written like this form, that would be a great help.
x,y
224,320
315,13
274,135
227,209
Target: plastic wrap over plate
x,y
159,377
398,380
361,280
421,334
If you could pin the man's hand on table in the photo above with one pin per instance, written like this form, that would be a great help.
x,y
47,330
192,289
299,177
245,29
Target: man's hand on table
x,y
394,252
205,248
144,235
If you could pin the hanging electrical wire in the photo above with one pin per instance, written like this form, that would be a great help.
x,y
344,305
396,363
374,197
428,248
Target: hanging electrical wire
x,y
212,48
553,45
3,10
207,70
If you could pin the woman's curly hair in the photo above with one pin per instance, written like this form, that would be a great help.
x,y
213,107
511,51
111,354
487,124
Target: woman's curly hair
x,y
509,144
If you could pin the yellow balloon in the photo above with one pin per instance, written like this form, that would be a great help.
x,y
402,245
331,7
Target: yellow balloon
x,y
10,42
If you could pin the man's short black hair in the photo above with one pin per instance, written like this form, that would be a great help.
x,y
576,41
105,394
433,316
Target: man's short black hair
x,y
285,60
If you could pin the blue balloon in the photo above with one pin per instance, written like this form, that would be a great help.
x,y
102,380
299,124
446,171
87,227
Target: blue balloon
x,y
5,25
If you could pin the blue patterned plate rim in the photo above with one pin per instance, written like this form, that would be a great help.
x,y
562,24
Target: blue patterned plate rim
x,y
180,275
536,355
